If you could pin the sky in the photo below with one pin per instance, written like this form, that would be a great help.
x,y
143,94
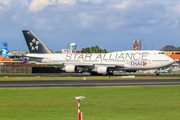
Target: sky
x,y
110,24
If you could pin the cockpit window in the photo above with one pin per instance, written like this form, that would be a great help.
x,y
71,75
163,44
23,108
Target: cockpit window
x,y
161,53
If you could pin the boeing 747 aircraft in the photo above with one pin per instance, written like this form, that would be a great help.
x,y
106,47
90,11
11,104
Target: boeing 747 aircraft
x,y
96,63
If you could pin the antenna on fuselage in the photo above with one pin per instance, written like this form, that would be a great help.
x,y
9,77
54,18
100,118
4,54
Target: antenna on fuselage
x,y
153,48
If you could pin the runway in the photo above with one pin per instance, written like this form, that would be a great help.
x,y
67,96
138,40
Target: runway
x,y
81,75
84,83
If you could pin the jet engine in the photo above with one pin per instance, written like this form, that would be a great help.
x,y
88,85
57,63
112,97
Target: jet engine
x,y
103,70
70,68
130,70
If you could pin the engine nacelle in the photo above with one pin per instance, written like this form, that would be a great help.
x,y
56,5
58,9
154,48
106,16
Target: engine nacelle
x,y
130,70
70,68
103,70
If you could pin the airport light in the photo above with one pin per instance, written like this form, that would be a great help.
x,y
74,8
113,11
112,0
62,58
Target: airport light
x,y
79,113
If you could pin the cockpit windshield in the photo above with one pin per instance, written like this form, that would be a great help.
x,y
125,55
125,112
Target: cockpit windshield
x,y
160,53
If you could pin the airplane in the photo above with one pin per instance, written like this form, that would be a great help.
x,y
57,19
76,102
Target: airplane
x,y
96,63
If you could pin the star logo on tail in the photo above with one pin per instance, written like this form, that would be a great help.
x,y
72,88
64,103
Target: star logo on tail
x,y
34,44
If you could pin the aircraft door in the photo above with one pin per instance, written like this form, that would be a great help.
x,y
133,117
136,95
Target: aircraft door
x,y
47,60
127,61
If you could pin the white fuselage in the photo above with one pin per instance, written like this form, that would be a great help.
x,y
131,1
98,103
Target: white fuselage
x,y
127,60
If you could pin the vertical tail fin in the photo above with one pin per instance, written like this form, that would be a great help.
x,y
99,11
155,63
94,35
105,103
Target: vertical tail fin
x,y
34,44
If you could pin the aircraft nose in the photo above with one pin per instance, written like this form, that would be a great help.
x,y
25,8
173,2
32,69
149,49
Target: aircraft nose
x,y
172,61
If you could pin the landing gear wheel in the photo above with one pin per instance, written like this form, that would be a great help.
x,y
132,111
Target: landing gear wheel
x,y
157,73
109,74
93,73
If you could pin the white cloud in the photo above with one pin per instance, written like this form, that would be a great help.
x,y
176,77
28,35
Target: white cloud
x,y
174,7
123,5
72,2
15,18
1,8
127,17
39,5
42,24
152,21
86,21
5,2
114,22
142,29
155,2
93,1
5,5
114,25
14,3
85,0
175,24
96,1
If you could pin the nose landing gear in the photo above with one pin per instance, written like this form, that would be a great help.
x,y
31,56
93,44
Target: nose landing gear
x,y
157,72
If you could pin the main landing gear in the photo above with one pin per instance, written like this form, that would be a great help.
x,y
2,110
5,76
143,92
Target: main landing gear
x,y
96,74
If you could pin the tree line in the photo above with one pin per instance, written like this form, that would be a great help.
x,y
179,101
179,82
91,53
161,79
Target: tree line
x,y
94,49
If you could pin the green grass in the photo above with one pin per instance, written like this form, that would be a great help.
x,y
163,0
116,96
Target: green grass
x,y
6,78
101,103
58,74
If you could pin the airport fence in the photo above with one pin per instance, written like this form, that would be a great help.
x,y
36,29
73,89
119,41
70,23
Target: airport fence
x,y
46,70
18,68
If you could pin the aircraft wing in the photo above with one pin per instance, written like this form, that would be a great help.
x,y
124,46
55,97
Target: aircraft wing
x,y
35,57
60,63
82,64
